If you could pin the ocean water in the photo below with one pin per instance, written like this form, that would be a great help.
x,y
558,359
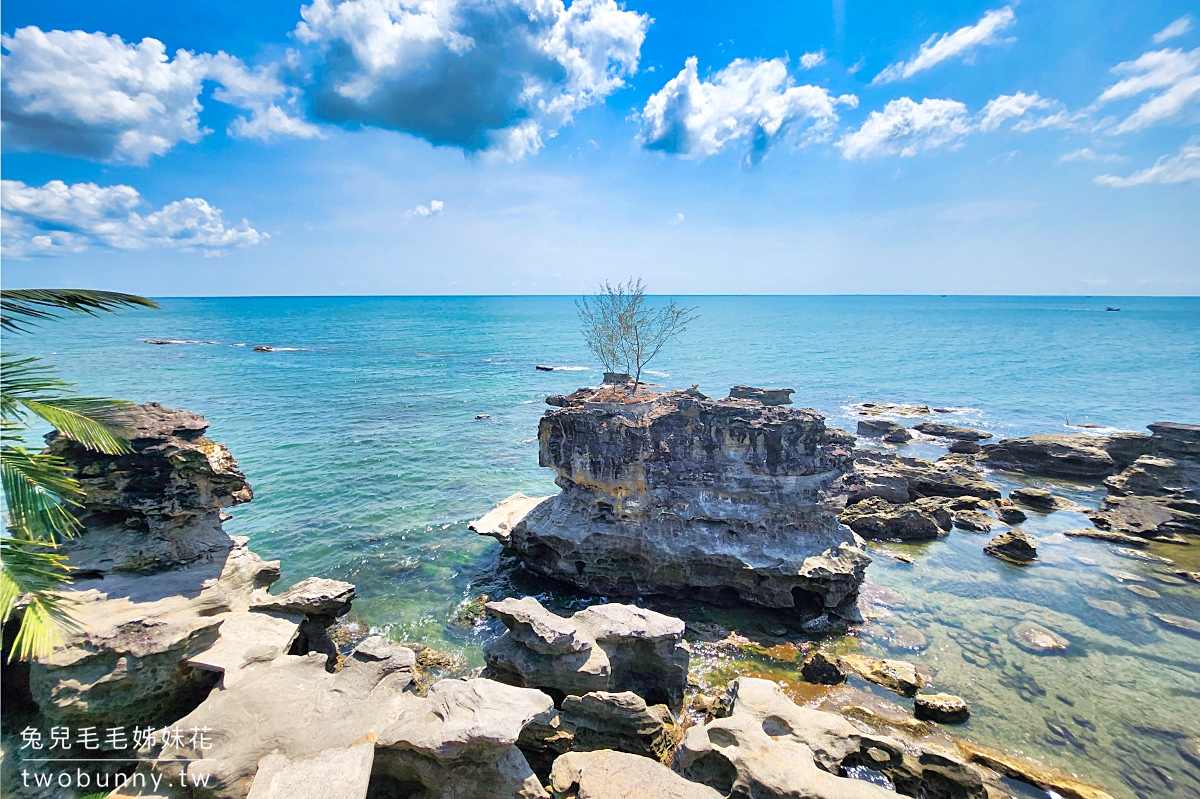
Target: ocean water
x,y
359,435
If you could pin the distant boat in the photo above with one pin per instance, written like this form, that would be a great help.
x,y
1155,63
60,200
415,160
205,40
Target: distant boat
x,y
541,368
1110,308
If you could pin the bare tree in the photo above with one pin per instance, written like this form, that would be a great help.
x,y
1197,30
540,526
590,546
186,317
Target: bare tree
x,y
623,331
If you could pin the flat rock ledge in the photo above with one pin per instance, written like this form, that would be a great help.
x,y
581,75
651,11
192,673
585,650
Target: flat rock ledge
x,y
719,500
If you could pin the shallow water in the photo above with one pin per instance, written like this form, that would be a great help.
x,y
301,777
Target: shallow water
x,y
367,461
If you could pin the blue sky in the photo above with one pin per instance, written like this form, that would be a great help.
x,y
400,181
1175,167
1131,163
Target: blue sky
x,y
516,146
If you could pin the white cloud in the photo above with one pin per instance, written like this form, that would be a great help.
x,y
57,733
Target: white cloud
x,y
1175,72
482,75
56,219
433,209
93,96
1087,154
812,60
751,101
1179,168
678,218
1177,28
905,127
937,49
1010,106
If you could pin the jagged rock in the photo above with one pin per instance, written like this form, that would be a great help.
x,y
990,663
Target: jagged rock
x,y
500,520
1014,546
679,494
880,408
899,479
950,431
621,721
823,669
158,506
1040,499
315,596
1008,512
616,775
608,647
1174,440
883,428
945,708
767,396
1104,535
896,675
1154,496
1054,455
973,520
769,747
877,518
965,448
1037,639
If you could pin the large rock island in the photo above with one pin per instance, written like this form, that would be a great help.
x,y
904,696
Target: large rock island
x,y
676,493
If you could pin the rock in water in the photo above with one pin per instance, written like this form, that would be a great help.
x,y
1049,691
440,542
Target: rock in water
x,y
1158,494
822,669
945,708
1037,639
1014,546
882,428
680,494
159,506
1039,499
767,396
1053,455
606,647
879,519
896,675
950,431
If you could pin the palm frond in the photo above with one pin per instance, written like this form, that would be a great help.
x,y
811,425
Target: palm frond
x,y
38,487
89,420
30,573
21,309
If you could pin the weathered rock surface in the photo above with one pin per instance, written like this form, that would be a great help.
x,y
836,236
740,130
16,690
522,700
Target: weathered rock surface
x,y
621,721
1028,771
965,447
973,520
616,775
1014,546
1179,623
606,647
951,431
1054,455
1157,495
1008,512
876,518
500,520
157,507
944,708
822,668
314,596
895,675
767,396
898,479
883,428
680,494
895,409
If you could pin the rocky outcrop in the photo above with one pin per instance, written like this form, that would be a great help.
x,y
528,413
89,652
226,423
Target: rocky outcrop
x,y
1076,455
895,675
898,479
885,429
823,669
938,430
944,708
606,647
890,408
616,775
158,506
1158,495
680,494
1013,546
767,396
876,518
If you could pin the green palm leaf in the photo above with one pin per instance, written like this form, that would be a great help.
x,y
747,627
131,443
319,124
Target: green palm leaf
x,y
89,420
20,309
30,572
38,487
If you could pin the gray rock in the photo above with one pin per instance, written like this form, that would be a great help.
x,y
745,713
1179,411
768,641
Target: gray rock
x,y
607,647
1175,440
499,521
314,596
159,506
883,428
767,396
770,747
1076,455
1154,496
881,408
944,708
1008,512
950,431
895,675
1037,639
687,496
973,520
900,479
1106,535
965,448
1040,499
876,518
621,721
1013,546
616,775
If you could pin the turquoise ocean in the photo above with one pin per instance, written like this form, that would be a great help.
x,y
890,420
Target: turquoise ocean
x,y
359,435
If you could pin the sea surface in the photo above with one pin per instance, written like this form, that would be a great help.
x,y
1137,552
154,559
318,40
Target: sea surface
x,y
359,435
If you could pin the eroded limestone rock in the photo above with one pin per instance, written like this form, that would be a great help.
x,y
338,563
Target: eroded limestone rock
x,y
876,518
1014,546
950,431
896,675
616,775
885,429
680,494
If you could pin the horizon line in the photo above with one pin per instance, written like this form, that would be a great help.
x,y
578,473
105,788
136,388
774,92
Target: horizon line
x,y
667,294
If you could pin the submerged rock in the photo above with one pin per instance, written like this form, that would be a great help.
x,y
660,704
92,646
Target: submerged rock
x,y
951,431
944,708
1037,639
1179,623
896,675
883,428
157,507
606,647
1014,546
679,494
1028,771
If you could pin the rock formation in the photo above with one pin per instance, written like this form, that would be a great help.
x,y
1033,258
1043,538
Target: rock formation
x,y
946,708
938,430
1074,455
885,429
1158,495
1013,546
158,506
606,647
680,494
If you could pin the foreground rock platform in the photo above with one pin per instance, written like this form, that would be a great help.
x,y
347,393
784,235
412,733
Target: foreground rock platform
x,y
684,495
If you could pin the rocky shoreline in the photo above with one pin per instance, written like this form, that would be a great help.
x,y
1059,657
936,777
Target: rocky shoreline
x,y
743,500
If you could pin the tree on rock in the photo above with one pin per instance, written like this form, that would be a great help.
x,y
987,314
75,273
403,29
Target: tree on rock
x,y
624,331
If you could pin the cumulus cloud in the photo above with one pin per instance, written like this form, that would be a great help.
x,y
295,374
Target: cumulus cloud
x,y
812,60
1172,73
748,101
905,127
1177,28
1179,168
98,97
482,75
94,96
1087,154
56,219
961,43
1010,106
433,209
